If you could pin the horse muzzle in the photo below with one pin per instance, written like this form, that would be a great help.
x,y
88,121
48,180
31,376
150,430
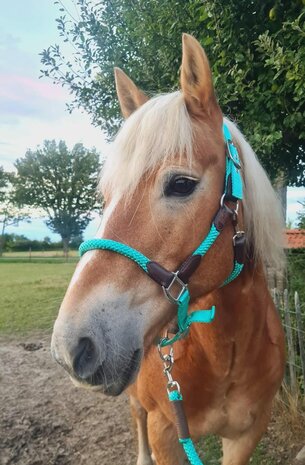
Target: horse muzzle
x,y
104,353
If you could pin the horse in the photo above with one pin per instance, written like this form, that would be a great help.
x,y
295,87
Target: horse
x,y
163,183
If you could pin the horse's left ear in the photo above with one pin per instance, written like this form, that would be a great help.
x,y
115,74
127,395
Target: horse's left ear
x,y
196,77
130,97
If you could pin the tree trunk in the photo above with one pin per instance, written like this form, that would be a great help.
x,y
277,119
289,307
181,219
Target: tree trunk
x,y
1,245
2,237
65,242
280,186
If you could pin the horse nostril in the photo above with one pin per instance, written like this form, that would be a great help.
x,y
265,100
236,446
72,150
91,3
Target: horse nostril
x,y
84,358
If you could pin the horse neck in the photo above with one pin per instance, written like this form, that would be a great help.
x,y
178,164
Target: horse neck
x,y
240,319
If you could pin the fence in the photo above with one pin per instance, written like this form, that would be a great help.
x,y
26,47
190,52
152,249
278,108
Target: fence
x,y
293,318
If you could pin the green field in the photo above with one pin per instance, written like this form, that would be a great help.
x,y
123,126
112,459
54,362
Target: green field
x,y
49,256
30,294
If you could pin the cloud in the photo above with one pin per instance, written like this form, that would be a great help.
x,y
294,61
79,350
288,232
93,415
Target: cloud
x,y
30,132
33,109
24,96
22,93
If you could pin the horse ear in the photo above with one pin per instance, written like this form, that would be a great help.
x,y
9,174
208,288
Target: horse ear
x,y
130,97
196,77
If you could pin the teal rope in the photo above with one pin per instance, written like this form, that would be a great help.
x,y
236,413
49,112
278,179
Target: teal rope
x,y
174,396
190,451
236,271
113,246
207,243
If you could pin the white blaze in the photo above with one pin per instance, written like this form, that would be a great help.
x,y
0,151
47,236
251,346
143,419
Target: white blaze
x,y
88,256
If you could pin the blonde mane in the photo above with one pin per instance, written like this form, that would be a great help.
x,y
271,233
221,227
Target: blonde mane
x,y
161,129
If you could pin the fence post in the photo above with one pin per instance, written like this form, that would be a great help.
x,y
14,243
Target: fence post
x,y
300,330
276,299
291,351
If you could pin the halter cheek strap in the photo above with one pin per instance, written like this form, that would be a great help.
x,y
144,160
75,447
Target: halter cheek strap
x,y
175,284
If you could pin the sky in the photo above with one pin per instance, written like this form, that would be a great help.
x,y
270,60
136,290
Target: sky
x,y
33,109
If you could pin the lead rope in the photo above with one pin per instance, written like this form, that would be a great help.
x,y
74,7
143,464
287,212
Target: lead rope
x,y
175,397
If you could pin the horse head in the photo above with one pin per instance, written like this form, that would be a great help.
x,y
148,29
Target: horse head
x,y
162,186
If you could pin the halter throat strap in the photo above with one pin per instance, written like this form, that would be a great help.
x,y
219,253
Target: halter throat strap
x,y
175,284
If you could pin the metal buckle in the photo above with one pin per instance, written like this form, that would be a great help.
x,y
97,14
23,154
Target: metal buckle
x,y
167,290
237,235
228,144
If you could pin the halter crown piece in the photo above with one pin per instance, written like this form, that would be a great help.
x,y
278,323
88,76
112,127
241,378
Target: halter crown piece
x,y
171,281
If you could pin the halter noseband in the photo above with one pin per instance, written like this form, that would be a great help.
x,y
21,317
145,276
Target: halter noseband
x,y
170,280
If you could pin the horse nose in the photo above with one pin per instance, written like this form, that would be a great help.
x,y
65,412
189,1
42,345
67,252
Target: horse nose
x,y
80,357
84,358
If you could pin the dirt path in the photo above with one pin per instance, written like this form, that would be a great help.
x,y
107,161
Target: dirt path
x,y
45,420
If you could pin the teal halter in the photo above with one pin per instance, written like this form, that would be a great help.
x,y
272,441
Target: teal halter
x,y
171,280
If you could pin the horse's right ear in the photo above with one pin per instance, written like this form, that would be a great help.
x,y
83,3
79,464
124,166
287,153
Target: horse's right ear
x,y
196,78
130,97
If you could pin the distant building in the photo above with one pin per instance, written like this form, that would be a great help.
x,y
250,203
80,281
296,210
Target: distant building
x,y
295,239
294,243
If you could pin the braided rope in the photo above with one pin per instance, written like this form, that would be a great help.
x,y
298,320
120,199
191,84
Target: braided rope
x,y
207,243
113,246
236,271
190,451
174,396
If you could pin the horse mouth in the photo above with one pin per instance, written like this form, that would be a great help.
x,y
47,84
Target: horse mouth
x,y
102,379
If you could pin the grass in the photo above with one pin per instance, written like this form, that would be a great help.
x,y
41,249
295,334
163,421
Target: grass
x,y
49,256
210,451
40,253
30,295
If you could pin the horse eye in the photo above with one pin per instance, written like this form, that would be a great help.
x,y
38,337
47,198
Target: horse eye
x,y
180,186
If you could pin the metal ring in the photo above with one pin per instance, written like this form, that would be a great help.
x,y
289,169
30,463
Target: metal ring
x,y
223,205
171,385
237,235
166,357
236,208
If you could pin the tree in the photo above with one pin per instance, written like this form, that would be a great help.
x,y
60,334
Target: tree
x,y
301,216
257,52
3,183
10,213
62,183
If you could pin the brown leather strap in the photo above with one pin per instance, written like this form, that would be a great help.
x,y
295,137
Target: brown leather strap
x,y
164,277
180,419
223,215
159,274
239,248
188,267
